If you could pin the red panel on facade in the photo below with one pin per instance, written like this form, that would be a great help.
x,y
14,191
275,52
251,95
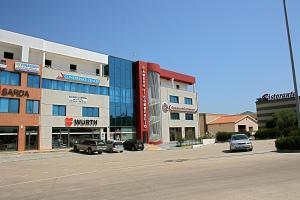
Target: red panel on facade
x,y
177,76
142,101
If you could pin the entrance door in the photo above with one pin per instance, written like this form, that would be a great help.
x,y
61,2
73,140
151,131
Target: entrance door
x,y
31,140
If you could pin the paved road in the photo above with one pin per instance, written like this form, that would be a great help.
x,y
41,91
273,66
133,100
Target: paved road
x,y
206,173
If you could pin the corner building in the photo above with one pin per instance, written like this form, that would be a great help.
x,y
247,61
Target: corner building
x,y
54,95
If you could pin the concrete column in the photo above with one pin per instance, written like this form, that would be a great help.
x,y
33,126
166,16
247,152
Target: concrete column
x,y
44,58
173,84
183,132
108,133
25,53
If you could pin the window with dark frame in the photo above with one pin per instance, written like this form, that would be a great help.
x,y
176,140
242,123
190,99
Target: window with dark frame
x,y
8,55
73,68
97,72
175,116
177,86
48,63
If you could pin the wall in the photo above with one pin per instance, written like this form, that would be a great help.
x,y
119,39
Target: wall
x,y
214,128
16,50
248,123
167,122
21,119
50,97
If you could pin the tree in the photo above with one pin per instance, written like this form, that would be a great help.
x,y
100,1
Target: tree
x,y
285,121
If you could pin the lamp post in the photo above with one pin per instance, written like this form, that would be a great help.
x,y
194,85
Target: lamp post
x,y
292,62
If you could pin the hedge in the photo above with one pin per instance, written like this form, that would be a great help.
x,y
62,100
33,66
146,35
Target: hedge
x,y
288,143
272,133
225,136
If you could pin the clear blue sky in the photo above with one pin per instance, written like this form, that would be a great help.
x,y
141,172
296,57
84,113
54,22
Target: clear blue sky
x,y
236,49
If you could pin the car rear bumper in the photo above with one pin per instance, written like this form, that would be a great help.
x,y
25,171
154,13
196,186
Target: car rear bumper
x,y
241,147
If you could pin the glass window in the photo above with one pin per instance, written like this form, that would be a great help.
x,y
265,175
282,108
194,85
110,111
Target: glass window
x,y
4,105
175,116
33,81
188,101
9,78
189,116
174,99
32,106
9,105
90,112
58,110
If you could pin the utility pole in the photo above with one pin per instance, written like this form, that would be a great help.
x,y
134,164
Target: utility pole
x,y
292,63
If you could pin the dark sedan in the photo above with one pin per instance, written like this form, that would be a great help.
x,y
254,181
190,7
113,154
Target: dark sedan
x,y
133,145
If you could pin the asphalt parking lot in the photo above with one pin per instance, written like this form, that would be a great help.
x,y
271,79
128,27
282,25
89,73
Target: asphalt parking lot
x,y
210,172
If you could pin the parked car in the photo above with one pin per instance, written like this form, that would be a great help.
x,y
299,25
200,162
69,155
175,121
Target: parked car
x,y
114,146
240,142
90,146
133,145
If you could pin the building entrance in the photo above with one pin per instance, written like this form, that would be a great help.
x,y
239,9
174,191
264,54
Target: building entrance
x,y
31,141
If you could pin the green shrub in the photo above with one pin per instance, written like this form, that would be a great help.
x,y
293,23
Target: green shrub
x,y
180,141
294,132
225,136
271,133
288,143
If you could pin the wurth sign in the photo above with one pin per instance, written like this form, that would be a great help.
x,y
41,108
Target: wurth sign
x,y
80,122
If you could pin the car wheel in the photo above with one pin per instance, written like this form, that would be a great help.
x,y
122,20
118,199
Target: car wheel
x,y
99,152
75,149
251,149
90,152
111,150
133,148
121,151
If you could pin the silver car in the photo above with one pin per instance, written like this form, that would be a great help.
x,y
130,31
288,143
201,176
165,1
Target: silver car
x,y
240,142
114,146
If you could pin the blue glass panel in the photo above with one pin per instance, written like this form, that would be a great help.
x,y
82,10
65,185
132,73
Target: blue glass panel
x,y
54,85
60,85
14,79
36,105
55,110
73,87
62,111
67,86
5,77
29,106
3,105
13,105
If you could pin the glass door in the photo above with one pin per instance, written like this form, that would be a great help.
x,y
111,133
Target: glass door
x,y
31,141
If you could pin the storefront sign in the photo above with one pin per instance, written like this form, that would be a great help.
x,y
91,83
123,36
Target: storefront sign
x,y
27,67
80,122
14,92
170,108
76,99
70,77
3,64
145,103
269,97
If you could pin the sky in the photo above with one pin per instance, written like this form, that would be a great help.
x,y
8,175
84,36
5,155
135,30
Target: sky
x,y
237,50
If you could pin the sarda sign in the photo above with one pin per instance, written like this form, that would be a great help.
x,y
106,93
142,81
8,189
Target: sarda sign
x,y
269,97
14,92
80,122
170,108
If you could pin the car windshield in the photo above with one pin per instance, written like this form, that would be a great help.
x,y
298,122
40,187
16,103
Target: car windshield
x,y
98,142
118,143
239,137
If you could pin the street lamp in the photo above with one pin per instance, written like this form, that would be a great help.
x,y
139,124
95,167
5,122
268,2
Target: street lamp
x,y
292,63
